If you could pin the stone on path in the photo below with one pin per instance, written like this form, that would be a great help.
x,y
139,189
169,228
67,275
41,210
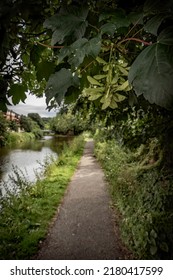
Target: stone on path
x,y
84,228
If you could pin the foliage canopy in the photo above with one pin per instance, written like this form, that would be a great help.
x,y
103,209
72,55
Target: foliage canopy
x,y
88,47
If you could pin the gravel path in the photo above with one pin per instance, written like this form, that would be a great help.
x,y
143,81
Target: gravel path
x,y
85,227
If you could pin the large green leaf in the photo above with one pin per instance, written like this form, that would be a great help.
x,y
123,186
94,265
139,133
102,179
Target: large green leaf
x,y
166,36
115,20
151,74
35,54
136,17
118,17
17,91
82,48
108,28
69,23
44,70
79,50
71,95
93,46
58,85
153,24
157,6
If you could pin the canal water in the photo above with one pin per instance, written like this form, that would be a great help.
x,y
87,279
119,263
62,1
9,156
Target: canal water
x,y
29,159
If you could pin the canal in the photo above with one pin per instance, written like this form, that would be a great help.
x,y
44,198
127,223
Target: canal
x,y
29,158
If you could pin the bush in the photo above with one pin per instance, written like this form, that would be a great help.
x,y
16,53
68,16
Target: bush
x,y
3,130
38,133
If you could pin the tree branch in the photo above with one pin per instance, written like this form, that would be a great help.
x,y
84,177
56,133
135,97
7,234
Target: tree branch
x,y
49,46
137,40
33,34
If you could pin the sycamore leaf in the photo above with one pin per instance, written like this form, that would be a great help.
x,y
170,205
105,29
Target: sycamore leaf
x,y
151,74
108,28
136,17
68,23
71,95
81,48
35,54
118,18
153,24
17,91
166,36
156,6
58,85
93,81
93,46
63,53
44,70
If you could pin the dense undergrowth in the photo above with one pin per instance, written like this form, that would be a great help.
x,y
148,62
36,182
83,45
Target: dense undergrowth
x,y
15,138
142,193
26,212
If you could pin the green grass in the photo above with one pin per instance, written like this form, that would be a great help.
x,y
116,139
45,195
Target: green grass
x,y
25,219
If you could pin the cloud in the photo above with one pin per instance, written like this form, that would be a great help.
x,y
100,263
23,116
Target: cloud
x,y
33,104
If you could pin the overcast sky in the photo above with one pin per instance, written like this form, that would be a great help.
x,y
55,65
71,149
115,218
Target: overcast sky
x,y
33,105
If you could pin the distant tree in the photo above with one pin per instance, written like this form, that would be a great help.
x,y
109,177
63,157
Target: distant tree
x,y
13,125
47,122
36,118
69,122
26,123
3,130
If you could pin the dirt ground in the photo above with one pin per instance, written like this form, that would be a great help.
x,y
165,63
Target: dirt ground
x,y
85,227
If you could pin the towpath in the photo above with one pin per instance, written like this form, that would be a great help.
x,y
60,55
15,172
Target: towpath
x,y
85,227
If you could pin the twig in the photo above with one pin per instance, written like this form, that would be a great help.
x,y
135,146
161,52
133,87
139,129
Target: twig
x,y
137,40
87,66
49,46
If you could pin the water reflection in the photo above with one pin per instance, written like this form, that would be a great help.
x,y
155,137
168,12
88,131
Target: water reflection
x,y
28,157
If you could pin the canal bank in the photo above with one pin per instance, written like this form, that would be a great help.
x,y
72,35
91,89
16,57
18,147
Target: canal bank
x,y
29,156
24,219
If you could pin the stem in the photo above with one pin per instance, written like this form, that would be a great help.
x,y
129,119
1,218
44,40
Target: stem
x,y
132,27
33,34
48,46
94,27
87,66
137,40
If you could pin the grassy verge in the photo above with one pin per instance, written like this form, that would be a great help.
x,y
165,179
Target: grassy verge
x,y
18,138
143,197
25,218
